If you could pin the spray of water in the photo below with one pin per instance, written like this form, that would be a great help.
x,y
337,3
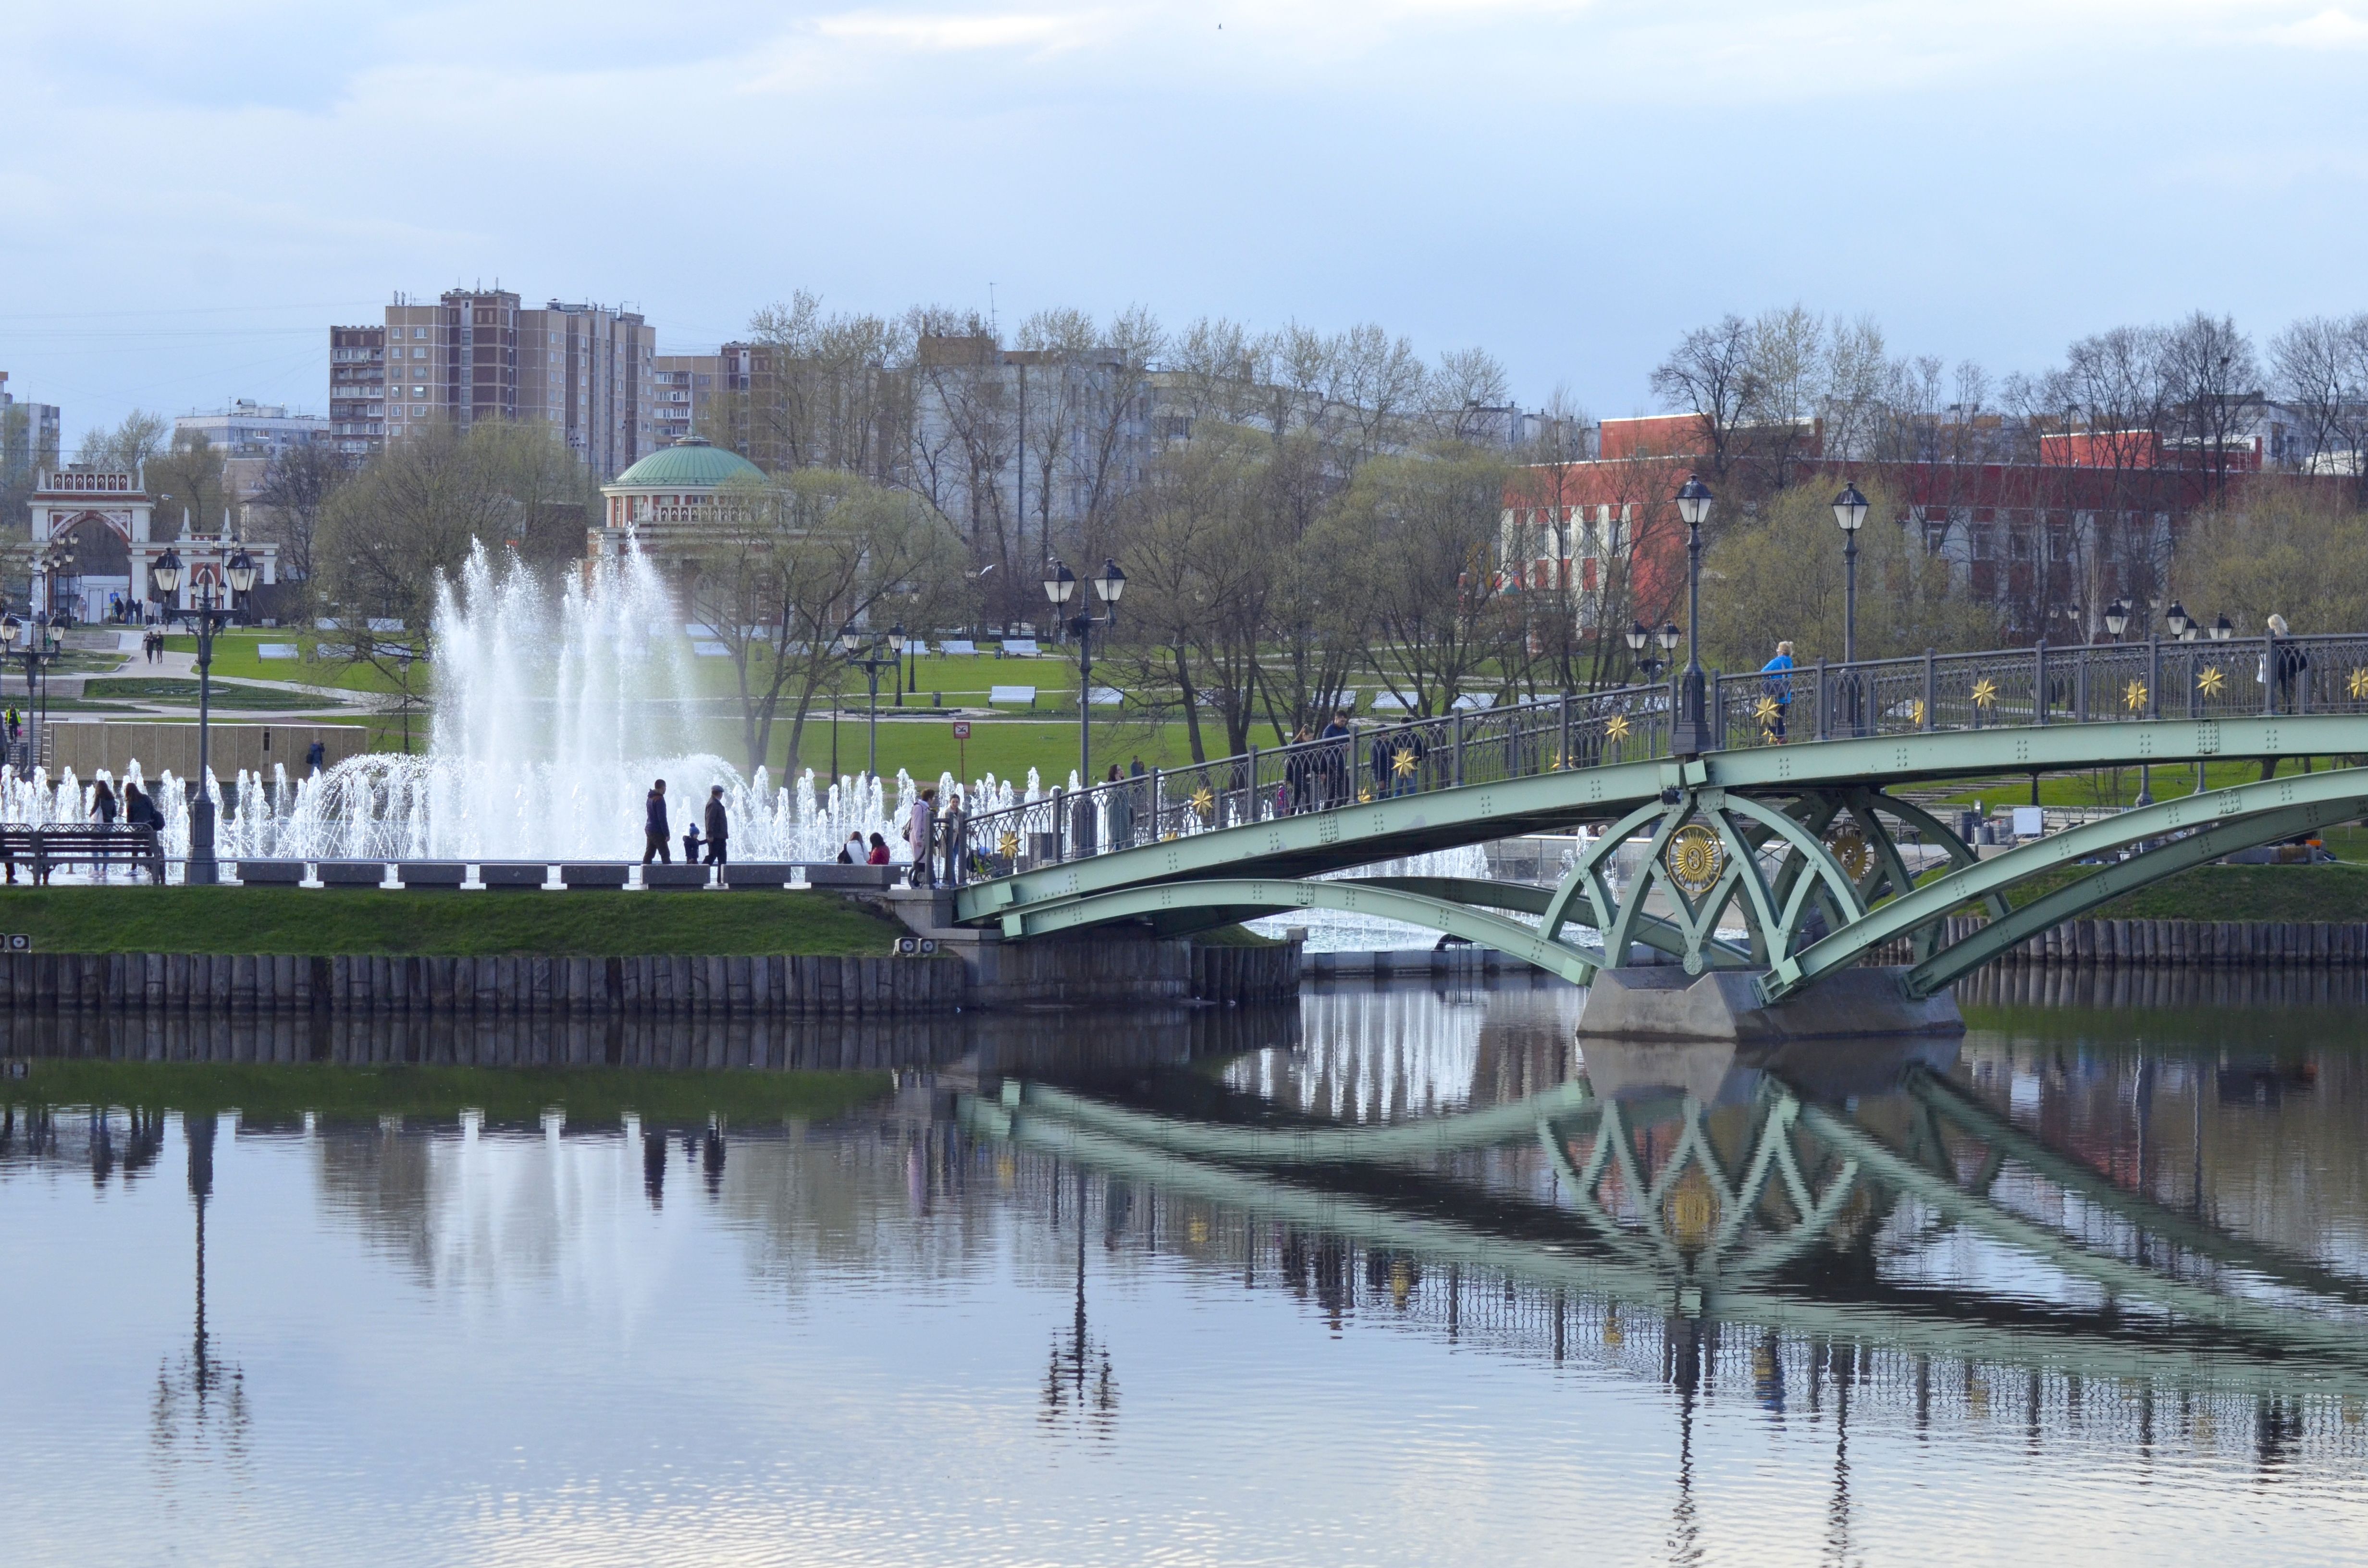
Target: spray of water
x,y
550,721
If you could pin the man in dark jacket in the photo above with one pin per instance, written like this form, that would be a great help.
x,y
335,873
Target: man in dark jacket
x,y
654,830
719,829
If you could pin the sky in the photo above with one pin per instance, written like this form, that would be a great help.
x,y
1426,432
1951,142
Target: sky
x,y
193,191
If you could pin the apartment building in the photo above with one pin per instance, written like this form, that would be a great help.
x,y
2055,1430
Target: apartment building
x,y
30,433
249,435
587,370
681,386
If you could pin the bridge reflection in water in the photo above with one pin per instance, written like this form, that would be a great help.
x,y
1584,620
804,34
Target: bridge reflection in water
x,y
1879,1235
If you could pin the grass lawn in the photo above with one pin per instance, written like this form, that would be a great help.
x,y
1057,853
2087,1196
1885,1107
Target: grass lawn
x,y
226,694
590,1096
2119,787
2334,894
235,655
315,922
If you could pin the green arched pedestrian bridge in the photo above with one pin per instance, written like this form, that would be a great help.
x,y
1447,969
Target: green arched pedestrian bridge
x,y
1788,827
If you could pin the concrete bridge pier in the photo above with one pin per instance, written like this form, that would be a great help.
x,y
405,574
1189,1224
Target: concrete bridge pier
x,y
1663,1002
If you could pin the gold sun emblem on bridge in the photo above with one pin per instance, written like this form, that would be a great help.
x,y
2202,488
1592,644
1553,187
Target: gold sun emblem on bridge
x,y
1364,794
2210,682
1985,693
1766,710
1916,712
2134,696
2359,684
1616,727
1694,859
1204,803
1851,852
1007,846
1402,762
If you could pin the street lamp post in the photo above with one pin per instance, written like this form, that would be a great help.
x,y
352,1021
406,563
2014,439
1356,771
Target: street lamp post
x,y
1850,511
1061,587
40,639
1640,637
206,616
872,656
1691,735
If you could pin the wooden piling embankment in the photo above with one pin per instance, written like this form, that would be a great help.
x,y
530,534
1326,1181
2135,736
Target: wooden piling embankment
x,y
2210,944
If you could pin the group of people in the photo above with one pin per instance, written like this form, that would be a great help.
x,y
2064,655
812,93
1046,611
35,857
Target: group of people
x,y
921,835
152,647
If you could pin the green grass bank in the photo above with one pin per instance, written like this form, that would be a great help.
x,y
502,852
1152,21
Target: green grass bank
x,y
324,923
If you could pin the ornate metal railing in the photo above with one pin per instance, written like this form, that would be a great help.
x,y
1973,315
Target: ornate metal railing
x,y
2000,689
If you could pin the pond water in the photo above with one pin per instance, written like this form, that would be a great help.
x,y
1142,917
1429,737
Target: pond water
x,y
1399,1275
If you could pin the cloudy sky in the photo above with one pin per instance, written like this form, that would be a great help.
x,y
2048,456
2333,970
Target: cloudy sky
x,y
191,191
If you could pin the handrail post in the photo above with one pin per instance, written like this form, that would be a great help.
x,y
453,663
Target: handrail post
x,y
1250,788
1158,802
1821,697
1060,825
2039,679
2269,672
1458,720
1931,689
2154,675
1564,753
1718,709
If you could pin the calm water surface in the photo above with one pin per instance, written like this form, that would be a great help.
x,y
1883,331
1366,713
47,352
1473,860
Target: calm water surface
x,y
1399,1275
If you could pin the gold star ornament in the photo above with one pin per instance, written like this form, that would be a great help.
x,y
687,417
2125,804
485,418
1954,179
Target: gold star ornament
x,y
2359,684
2210,682
1402,762
1985,693
1616,727
1204,803
2133,696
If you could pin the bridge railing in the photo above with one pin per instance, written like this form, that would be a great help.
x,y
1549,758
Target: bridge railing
x,y
1998,689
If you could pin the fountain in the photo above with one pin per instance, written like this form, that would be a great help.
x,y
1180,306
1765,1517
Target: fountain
x,y
550,721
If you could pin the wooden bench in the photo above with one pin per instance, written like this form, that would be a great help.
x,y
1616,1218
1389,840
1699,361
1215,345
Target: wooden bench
x,y
44,849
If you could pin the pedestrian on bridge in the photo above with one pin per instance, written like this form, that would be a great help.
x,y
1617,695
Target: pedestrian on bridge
x,y
1334,782
1778,675
1121,809
2286,667
1299,771
956,832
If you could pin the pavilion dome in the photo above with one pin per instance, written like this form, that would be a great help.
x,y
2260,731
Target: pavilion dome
x,y
691,464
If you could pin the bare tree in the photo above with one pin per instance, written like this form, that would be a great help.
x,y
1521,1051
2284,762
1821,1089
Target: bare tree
x,y
2212,388
2319,369
791,562
296,488
139,438
1712,374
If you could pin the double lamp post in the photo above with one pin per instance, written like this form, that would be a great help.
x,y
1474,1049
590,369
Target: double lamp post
x,y
206,616
1060,587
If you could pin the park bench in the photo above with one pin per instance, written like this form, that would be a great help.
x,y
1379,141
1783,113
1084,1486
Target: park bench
x,y
957,646
350,873
1018,648
431,873
1012,694
601,875
46,848
832,874
769,876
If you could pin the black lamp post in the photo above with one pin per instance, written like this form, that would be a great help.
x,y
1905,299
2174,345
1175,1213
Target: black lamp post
x,y
1640,638
2222,631
2117,618
1060,587
206,616
2180,624
1691,736
1850,511
872,656
37,641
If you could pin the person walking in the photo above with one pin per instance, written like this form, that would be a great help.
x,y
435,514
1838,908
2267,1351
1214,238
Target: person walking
x,y
955,831
919,826
1332,775
1776,675
102,810
2284,667
1299,770
1121,811
656,830
719,828
316,757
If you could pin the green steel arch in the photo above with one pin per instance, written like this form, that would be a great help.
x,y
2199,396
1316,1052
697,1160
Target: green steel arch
x,y
1800,844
